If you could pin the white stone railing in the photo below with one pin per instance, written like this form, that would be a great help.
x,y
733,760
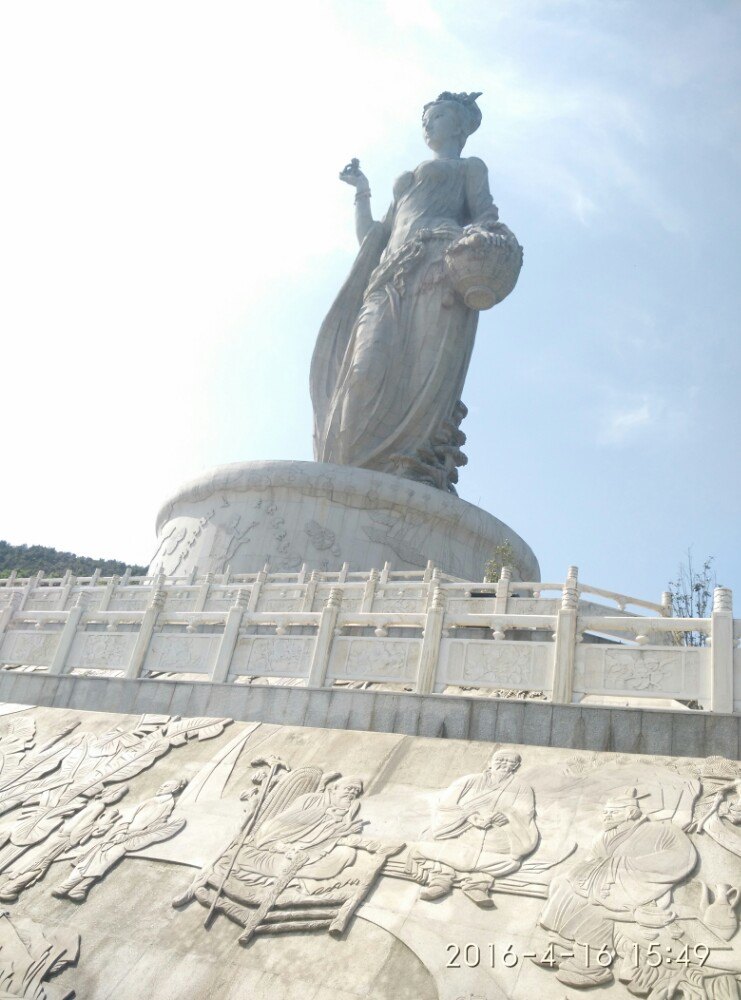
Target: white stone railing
x,y
215,591
420,630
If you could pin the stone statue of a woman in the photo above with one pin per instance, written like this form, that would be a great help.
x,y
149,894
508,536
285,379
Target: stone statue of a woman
x,y
393,352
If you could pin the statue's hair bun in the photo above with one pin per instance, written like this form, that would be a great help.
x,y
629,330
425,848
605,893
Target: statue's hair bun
x,y
470,111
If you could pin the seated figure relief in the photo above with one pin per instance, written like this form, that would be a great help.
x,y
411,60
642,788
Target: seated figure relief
x,y
628,876
298,861
482,829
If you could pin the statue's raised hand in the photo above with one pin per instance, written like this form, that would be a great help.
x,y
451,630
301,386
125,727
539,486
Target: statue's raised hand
x,y
354,176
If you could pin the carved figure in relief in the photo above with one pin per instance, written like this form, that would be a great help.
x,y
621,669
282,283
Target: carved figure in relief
x,y
30,953
628,876
392,354
93,820
295,863
719,812
482,829
147,824
63,794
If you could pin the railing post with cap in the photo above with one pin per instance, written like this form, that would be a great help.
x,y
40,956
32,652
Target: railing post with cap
x,y
564,655
369,591
33,582
59,660
9,609
430,652
721,651
257,587
324,639
310,592
500,602
228,644
203,592
146,630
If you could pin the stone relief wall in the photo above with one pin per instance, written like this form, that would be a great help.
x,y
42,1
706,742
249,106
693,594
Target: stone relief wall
x,y
319,859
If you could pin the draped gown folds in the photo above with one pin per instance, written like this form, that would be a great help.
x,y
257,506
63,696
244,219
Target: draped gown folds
x,y
392,354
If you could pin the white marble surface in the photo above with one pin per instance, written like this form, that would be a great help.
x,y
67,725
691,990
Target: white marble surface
x,y
289,513
392,355
359,866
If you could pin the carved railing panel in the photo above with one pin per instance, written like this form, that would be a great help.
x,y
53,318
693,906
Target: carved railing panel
x,y
374,659
276,656
649,671
521,666
130,599
29,646
188,654
99,650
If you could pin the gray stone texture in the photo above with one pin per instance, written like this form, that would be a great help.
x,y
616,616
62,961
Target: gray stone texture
x,y
538,723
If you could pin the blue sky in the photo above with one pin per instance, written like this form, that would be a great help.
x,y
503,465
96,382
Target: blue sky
x,y
174,231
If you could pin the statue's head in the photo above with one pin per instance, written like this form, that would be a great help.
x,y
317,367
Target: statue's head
x,y
173,787
451,116
621,808
504,762
345,792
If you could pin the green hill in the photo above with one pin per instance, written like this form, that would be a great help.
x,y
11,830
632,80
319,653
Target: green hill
x,y
27,560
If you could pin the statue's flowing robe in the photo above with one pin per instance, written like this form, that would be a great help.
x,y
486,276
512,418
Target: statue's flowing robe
x,y
393,352
494,851
632,865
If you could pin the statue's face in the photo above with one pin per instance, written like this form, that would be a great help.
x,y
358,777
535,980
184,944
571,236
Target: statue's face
x,y
502,763
346,794
440,124
170,787
613,816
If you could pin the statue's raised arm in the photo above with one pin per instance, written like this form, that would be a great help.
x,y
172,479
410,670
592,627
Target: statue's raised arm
x,y
392,354
353,175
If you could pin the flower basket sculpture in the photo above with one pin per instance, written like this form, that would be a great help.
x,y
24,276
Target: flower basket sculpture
x,y
484,265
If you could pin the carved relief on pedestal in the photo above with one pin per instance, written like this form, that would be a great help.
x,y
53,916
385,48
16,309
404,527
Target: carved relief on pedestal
x,y
400,533
177,543
229,539
624,886
642,903
322,538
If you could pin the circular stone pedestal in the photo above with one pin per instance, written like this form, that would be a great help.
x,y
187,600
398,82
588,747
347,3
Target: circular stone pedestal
x,y
244,515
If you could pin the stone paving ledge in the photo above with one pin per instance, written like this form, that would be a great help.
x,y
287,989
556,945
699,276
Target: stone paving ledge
x,y
534,723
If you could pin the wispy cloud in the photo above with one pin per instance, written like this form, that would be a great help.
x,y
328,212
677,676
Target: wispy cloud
x,y
621,424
